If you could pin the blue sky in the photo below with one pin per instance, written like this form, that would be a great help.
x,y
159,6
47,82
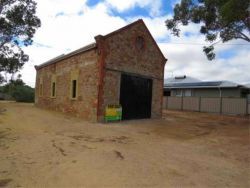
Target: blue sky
x,y
68,25
165,8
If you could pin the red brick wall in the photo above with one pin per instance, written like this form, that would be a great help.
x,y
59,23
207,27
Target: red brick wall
x,y
85,105
122,55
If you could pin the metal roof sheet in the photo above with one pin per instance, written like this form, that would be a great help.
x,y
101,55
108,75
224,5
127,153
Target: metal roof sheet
x,y
181,79
193,84
203,84
64,56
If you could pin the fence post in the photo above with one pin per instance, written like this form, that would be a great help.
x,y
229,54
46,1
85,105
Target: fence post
x,y
167,103
181,102
199,104
220,105
247,107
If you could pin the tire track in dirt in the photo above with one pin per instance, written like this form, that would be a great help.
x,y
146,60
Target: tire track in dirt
x,y
58,148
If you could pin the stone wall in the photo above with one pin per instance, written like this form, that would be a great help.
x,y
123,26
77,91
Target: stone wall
x,y
122,56
82,67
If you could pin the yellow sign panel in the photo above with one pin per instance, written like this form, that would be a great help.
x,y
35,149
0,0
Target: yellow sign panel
x,y
113,113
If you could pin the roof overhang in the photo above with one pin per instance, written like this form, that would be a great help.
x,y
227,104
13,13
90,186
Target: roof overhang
x,y
65,56
203,87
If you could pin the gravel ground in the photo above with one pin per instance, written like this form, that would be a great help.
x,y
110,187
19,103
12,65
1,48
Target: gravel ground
x,y
41,148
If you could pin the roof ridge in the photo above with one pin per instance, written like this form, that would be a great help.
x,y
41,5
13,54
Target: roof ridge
x,y
132,24
123,28
82,49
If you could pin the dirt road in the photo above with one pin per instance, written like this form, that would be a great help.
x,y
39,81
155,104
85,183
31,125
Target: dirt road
x,y
40,148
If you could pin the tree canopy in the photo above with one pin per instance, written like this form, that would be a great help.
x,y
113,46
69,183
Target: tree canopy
x,y
18,24
17,90
221,20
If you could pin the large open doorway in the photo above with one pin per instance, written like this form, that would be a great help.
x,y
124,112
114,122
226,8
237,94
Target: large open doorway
x,y
135,97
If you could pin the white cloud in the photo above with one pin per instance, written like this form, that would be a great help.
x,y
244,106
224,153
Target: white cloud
x,y
74,30
49,8
66,32
122,6
156,25
187,58
71,30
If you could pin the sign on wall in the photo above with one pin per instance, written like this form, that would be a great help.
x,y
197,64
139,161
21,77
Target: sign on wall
x,y
113,113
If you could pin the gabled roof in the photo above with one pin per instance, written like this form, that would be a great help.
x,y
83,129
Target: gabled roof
x,y
132,24
93,45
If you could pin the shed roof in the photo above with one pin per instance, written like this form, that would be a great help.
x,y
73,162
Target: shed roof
x,y
64,56
189,82
181,79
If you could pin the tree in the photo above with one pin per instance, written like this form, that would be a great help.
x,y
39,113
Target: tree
x,y
17,90
18,24
24,94
221,20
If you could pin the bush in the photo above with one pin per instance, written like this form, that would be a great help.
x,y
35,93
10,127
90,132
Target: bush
x,y
23,94
17,90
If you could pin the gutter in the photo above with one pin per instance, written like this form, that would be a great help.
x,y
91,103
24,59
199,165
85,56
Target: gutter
x,y
193,87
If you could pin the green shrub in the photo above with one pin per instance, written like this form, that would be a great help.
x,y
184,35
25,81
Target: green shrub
x,y
23,94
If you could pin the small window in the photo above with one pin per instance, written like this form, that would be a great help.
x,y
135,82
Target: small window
x,y
74,85
178,93
53,86
53,89
188,93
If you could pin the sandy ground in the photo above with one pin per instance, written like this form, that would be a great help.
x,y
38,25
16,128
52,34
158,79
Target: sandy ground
x,y
40,148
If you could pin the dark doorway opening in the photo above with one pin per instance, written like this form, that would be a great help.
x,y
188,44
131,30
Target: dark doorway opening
x,y
135,97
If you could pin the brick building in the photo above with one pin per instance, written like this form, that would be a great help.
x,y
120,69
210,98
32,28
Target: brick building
x,y
124,67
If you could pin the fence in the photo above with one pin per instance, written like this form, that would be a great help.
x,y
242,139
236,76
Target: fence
x,y
237,106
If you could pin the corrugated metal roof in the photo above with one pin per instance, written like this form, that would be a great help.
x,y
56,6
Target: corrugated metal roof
x,y
181,79
64,56
190,82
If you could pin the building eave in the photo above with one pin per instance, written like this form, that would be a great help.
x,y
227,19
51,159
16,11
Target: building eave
x,y
203,87
84,49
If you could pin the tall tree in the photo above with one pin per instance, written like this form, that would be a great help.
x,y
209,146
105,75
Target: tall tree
x,y
18,24
221,20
